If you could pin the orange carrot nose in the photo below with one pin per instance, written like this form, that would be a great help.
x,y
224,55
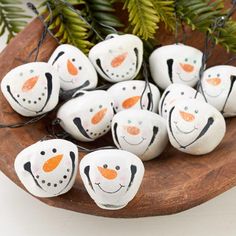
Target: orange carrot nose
x,y
187,67
52,163
29,84
118,60
130,102
187,116
133,130
107,173
99,116
214,81
71,68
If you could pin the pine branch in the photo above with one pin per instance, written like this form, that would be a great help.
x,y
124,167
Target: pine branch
x,y
12,18
142,17
165,11
67,26
199,14
101,16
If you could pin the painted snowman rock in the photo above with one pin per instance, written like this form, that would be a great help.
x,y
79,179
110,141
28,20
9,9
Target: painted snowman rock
x,y
111,177
195,127
32,89
140,132
48,168
219,88
87,116
174,93
131,94
118,58
175,63
74,68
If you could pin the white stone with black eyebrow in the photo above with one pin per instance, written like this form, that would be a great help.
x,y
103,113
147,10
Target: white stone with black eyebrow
x,y
218,86
176,63
195,127
74,68
31,89
118,58
111,177
48,168
141,132
88,116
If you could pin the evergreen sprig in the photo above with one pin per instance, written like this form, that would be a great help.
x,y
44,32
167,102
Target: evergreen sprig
x,y
12,18
66,24
101,16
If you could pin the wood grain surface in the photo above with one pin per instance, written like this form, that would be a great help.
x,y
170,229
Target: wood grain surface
x,y
172,183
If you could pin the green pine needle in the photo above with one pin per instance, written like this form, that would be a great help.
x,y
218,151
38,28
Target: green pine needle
x,y
12,18
142,17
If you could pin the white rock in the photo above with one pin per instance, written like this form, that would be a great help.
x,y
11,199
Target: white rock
x,y
175,63
219,88
195,127
141,132
87,116
48,168
118,58
128,95
32,89
174,93
111,177
74,68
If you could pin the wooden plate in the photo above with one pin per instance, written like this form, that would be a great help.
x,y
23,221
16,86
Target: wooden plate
x,y
172,183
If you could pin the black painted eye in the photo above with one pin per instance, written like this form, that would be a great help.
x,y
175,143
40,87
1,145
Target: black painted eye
x,y
54,150
124,88
105,166
80,68
100,106
134,88
209,76
21,74
196,111
182,93
42,153
218,75
186,59
31,71
165,111
91,110
117,167
185,108
73,59
194,61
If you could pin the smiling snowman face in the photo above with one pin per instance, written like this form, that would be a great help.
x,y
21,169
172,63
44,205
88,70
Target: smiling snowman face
x,y
140,132
128,95
87,116
195,127
118,58
174,93
74,68
111,177
175,64
218,86
48,168
31,89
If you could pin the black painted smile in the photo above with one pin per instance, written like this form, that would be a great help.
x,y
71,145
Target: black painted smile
x,y
134,144
184,132
215,96
67,81
189,80
121,186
